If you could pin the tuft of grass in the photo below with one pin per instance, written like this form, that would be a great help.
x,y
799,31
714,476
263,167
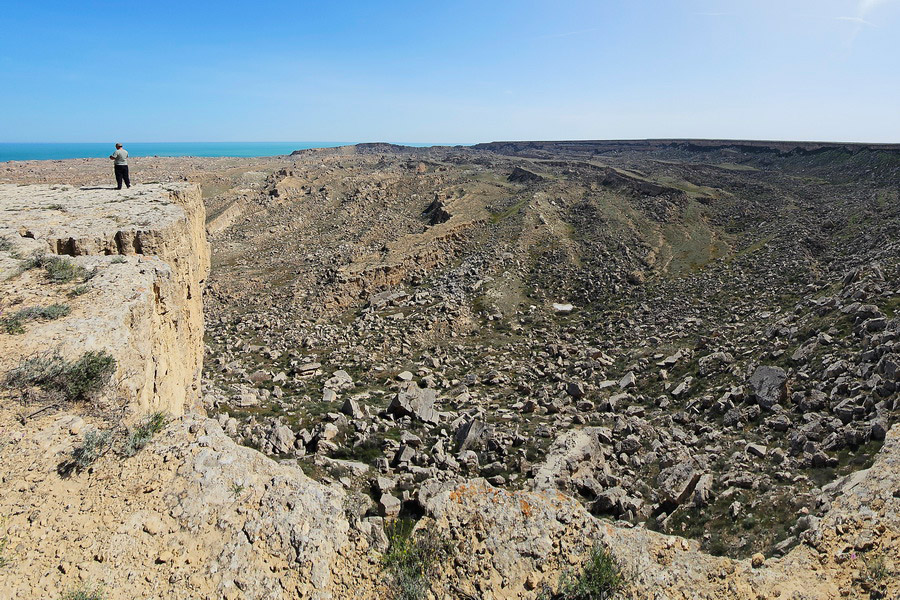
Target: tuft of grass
x,y
86,592
411,558
5,560
601,578
236,490
14,324
74,381
94,445
118,260
143,432
877,570
5,244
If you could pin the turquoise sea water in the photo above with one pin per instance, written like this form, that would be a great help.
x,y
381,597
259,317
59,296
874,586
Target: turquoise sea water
x,y
28,151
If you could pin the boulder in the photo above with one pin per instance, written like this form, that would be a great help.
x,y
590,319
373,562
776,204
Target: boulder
x,y
575,390
469,433
351,409
677,482
282,439
413,401
389,505
769,385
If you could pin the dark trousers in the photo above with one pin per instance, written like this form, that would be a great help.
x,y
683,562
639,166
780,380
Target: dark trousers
x,y
122,175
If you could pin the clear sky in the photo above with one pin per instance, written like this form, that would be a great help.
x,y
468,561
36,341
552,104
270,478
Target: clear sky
x,y
454,71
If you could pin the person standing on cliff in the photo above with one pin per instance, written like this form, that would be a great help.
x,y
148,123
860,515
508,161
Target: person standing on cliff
x,y
120,156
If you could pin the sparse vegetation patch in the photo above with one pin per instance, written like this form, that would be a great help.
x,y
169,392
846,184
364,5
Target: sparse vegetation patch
x,y
86,592
15,323
59,269
73,381
412,558
601,578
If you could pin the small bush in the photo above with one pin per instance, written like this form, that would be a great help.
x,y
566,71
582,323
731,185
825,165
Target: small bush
x,y
86,592
15,323
143,432
411,558
78,290
60,270
54,311
877,574
601,578
74,381
94,445
5,245
118,260
88,375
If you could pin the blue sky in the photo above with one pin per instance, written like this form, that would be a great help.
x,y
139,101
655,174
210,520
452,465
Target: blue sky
x,y
449,71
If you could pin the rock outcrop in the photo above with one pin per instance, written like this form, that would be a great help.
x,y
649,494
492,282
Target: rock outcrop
x,y
141,258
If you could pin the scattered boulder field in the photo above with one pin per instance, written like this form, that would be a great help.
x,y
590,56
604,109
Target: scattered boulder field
x,y
696,340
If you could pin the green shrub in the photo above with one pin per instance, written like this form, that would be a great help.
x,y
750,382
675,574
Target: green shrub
x,y
15,323
74,381
143,432
38,370
411,558
86,592
118,260
601,578
54,311
94,445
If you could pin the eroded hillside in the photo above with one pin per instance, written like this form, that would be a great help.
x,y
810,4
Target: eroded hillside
x,y
527,349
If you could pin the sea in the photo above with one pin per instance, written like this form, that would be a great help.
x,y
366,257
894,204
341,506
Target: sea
x,y
60,151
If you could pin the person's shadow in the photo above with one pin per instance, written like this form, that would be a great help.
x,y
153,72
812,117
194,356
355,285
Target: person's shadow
x,y
97,188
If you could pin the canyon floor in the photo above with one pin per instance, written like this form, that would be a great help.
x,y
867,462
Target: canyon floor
x,y
700,339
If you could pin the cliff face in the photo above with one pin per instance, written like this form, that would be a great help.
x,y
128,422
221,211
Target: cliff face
x,y
145,257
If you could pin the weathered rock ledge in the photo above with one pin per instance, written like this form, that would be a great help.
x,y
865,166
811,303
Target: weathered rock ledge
x,y
194,515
